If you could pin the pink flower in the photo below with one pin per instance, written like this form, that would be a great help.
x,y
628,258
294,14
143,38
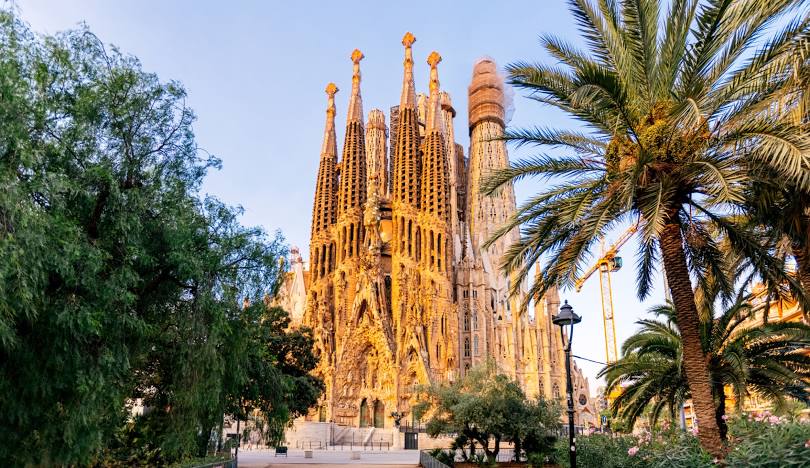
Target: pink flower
x,y
724,417
807,444
695,431
632,451
774,420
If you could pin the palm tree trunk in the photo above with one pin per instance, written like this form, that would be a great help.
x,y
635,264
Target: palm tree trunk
x,y
720,394
688,321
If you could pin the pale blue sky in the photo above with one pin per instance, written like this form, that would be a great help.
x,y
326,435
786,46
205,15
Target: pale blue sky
x,y
255,73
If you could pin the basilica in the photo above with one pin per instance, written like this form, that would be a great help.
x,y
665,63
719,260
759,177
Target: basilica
x,y
400,289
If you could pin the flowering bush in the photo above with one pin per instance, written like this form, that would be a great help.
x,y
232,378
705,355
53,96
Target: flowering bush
x,y
666,449
763,440
766,440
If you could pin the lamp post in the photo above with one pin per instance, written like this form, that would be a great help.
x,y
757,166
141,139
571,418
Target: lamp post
x,y
567,318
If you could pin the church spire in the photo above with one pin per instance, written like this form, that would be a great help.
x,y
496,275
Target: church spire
x,y
434,116
324,212
407,158
355,101
408,98
352,193
329,147
435,191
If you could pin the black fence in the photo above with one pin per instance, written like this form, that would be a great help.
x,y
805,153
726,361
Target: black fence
x,y
407,427
371,445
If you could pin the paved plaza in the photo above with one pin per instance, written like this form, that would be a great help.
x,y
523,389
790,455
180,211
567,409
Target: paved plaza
x,y
326,458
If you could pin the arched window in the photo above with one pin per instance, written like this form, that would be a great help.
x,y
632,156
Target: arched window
x,y
475,346
466,347
466,321
556,392
475,320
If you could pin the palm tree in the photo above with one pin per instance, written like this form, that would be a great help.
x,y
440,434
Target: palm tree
x,y
744,355
781,206
666,102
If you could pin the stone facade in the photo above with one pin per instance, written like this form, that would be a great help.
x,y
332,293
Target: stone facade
x,y
400,290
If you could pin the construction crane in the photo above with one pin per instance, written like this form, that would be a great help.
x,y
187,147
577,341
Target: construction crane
x,y
607,264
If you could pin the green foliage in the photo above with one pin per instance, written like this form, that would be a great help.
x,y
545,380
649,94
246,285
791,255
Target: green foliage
x,y
485,408
671,449
769,442
268,370
763,441
672,125
674,98
117,281
448,457
744,355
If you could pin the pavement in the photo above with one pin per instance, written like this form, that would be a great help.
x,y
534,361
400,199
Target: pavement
x,y
326,458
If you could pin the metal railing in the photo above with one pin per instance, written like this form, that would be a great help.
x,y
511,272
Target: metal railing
x,y
405,427
371,445
230,463
426,460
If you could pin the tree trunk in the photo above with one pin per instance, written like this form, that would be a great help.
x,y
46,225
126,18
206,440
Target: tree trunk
x,y
720,394
694,358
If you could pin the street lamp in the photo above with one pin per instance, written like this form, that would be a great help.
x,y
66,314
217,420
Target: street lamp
x,y
567,318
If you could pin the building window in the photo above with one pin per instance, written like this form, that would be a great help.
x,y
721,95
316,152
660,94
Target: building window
x,y
475,294
556,392
475,320
475,346
466,321
466,347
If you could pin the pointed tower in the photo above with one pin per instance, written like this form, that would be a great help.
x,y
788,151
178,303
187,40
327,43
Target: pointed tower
x,y
324,211
352,192
377,153
435,195
487,153
405,187
434,232
404,212
449,113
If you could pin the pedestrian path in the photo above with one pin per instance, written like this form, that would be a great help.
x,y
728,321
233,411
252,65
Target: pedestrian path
x,y
326,458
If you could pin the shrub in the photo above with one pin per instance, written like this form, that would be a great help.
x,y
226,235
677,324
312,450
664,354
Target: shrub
x,y
670,449
767,441
601,451
448,457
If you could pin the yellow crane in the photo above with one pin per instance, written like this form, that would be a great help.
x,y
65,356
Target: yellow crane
x,y
609,263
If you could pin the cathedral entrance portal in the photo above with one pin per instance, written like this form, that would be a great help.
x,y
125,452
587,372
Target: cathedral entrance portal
x,y
379,414
364,419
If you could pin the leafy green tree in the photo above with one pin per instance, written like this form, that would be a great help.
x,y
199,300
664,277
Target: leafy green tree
x,y
117,281
744,355
485,408
269,370
673,110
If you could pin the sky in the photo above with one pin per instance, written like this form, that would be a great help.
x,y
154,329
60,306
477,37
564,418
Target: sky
x,y
255,73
